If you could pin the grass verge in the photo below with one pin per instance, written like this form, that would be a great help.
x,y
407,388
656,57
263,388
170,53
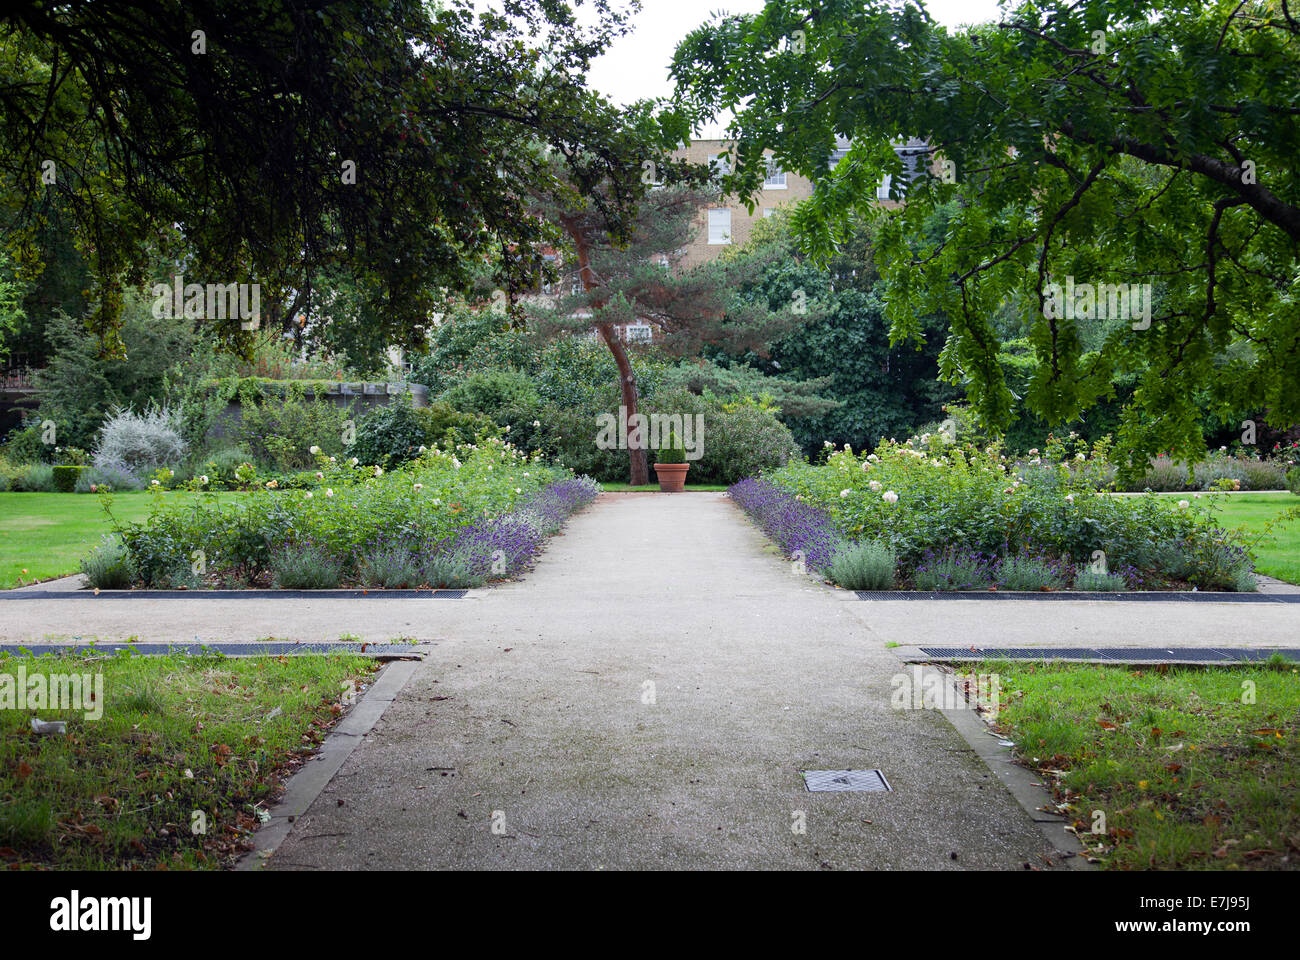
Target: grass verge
x,y
180,768
1174,768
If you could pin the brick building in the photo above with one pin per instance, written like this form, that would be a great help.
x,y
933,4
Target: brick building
x,y
729,223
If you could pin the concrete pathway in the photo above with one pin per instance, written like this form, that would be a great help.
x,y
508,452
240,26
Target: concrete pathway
x,y
646,699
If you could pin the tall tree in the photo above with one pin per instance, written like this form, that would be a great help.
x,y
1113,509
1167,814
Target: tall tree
x,y
1106,142
608,281
264,142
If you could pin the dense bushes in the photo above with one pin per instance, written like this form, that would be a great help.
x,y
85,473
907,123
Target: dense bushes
x,y
740,439
391,435
280,431
961,518
139,444
363,523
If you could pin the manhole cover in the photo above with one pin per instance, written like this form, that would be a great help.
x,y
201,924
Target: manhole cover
x,y
819,780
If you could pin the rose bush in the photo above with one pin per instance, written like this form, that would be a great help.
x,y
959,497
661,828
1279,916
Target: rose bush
x,y
929,497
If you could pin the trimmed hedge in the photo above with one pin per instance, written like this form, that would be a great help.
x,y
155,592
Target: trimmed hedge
x,y
65,478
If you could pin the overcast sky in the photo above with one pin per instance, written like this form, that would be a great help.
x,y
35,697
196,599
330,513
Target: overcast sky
x,y
636,67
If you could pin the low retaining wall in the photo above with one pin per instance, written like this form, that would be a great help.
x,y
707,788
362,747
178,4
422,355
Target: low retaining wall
x,y
361,397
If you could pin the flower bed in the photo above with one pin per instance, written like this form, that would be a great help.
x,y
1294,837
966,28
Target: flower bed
x,y
447,518
963,518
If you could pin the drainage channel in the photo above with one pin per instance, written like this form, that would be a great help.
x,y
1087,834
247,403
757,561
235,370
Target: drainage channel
x,y
1187,596
1228,655
233,594
271,648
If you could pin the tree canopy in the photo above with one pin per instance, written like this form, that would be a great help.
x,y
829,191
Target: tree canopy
x,y
1108,142
267,142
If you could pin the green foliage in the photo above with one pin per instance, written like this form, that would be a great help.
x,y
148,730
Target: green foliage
x,y
507,397
1293,480
954,570
108,565
65,478
1027,572
1093,581
867,386
452,573
80,386
391,435
32,478
866,565
674,452
344,515
403,192
1048,173
280,432
26,445
389,567
950,511
306,567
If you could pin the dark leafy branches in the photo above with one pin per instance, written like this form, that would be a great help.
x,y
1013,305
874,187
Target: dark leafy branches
x,y
269,142
1100,143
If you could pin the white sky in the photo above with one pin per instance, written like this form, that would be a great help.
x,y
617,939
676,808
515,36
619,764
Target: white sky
x,y
636,66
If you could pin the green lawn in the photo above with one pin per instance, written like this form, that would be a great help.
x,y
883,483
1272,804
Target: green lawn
x,y
177,771
1279,558
1168,769
47,534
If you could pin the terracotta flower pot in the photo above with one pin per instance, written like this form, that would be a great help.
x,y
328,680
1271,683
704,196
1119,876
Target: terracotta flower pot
x,y
672,476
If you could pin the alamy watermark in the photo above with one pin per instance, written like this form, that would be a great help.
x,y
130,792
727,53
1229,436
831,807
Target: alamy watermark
x,y
53,691
213,301
1101,301
652,432
933,690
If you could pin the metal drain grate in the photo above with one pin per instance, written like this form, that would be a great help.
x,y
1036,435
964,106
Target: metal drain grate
x,y
1153,596
343,594
831,780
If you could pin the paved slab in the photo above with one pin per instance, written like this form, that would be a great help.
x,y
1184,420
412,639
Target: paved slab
x,y
647,699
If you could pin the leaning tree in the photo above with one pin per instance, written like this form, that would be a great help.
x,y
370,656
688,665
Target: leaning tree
x,y
606,280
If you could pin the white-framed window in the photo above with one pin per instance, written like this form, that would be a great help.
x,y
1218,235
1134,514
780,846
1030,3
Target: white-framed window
x,y
720,164
719,226
775,179
769,212
637,333
882,191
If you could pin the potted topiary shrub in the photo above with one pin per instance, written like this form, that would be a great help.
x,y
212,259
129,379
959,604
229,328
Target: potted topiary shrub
x,y
671,465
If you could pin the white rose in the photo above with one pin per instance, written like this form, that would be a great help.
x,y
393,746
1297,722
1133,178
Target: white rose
x,y
314,450
889,496
329,492
875,486
1184,504
844,493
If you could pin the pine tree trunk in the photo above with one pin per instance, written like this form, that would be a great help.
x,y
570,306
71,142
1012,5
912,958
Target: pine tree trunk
x,y
638,470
